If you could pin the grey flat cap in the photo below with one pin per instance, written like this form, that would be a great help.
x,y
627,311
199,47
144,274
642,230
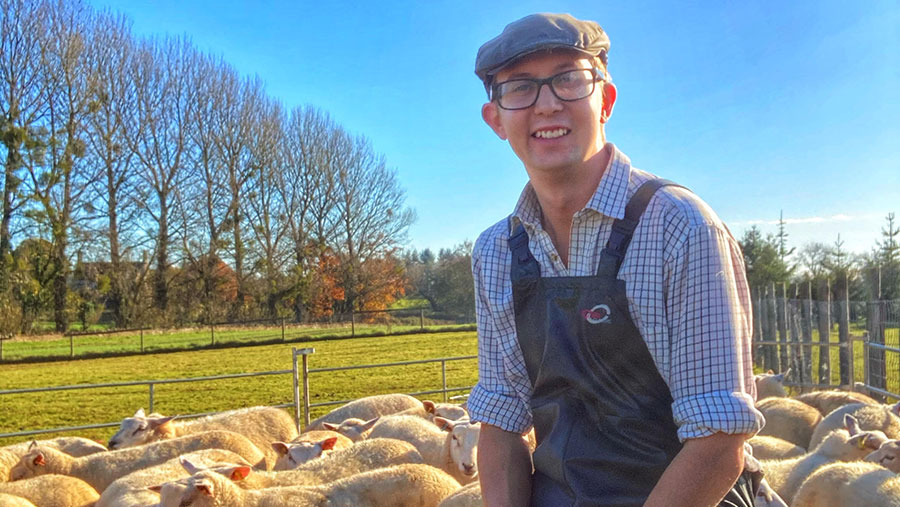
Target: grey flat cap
x,y
538,32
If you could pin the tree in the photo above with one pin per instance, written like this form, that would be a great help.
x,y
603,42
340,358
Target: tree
x,y
889,258
763,260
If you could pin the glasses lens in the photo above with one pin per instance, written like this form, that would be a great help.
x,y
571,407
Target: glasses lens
x,y
518,93
573,85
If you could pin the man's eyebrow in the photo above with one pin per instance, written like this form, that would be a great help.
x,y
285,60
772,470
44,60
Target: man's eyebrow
x,y
559,68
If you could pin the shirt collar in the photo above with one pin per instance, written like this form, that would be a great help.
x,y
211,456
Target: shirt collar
x,y
609,198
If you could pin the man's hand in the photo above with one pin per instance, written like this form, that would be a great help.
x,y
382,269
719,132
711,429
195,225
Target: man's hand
x,y
701,473
504,467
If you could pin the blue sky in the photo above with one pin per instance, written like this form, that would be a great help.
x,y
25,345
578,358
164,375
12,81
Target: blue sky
x,y
757,107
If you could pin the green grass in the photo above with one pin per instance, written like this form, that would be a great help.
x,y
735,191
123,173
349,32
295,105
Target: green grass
x,y
58,347
21,412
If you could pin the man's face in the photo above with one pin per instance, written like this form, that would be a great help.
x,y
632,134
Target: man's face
x,y
552,135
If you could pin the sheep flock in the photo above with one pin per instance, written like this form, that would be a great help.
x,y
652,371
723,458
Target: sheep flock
x,y
825,448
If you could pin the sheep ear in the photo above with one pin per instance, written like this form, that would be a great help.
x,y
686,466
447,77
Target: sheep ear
x,y
190,466
239,473
204,487
851,424
39,460
895,408
32,445
332,427
140,413
281,448
328,443
771,372
444,424
156,488
156,422
429,406
368,424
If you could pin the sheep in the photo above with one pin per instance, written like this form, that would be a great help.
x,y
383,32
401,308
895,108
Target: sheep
x,y
766,447
362,457
870,417
827,401
449,445
398,485
55,490
366,408
353,428
308,446
786,476
100,470
357,429
132,489
790,420
888,456
262,425
770,385
842,484
14,501
466,496
73,446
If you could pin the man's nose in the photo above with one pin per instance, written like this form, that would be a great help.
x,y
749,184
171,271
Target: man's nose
x,y
547,100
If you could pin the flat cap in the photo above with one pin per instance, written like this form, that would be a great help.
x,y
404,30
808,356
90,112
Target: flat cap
x,y
537,32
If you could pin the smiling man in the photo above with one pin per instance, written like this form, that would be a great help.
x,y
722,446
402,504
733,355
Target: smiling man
x,y
613,310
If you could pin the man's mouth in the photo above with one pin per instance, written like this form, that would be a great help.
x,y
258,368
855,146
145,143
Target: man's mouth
x,y
551,134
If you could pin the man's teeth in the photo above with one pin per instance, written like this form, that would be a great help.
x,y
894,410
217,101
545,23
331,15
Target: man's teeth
x,y
551,134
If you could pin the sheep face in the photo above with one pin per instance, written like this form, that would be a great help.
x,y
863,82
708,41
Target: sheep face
x,y
197,490
888,456
32,464
463,443
449,411
141,429
354,428
294,454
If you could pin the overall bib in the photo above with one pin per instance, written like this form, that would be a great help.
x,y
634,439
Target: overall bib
x,y
602,412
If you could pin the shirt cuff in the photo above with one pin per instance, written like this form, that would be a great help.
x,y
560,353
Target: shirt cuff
x,y
509,413
716,412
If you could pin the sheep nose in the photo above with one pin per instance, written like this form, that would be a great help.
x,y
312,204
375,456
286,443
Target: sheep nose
x,y
111,445
469,469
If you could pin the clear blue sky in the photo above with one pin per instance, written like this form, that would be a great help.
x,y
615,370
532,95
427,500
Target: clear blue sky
x,y
756,106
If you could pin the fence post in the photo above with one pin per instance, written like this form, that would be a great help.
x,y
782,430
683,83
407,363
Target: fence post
x,y
422,319
796,359
784,360
282,329
876,335
151,398
444,379
824,304
806,329
296,389
71,346
771,318
142,339
846,352
306,385
352,323
867,377
212,333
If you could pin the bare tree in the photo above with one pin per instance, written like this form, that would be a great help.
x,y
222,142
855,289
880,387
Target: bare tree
x,y
159,138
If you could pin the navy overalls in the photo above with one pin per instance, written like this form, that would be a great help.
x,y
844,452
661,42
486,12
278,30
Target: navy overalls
x,y
602,412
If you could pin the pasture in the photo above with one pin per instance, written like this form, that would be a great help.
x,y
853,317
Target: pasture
x,y
29,411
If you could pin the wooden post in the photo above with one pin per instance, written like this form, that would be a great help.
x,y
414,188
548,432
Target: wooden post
x,y
71,347
142,339
793,312
771,349
352,323
824,325
212,333
781,315
282,329
759,351
846,351
806,329
422,319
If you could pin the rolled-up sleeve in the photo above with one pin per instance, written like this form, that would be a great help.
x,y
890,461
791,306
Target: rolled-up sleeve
x,y
495,399
710,327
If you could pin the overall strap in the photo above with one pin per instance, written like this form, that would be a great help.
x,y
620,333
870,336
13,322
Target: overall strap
x,y
623,229
523,265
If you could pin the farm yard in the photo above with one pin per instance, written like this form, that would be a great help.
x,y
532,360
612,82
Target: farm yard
x,y
81,407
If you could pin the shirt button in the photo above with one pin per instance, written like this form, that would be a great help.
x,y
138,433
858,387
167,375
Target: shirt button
x,y
554,257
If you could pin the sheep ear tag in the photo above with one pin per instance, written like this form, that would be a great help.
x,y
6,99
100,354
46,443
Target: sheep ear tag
x,y
240,473
328,443
861,443
39,460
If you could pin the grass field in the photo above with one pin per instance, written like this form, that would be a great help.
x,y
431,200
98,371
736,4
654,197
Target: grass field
x,y
30,411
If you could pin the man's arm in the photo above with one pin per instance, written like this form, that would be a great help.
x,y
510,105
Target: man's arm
x,y
504,467
701,473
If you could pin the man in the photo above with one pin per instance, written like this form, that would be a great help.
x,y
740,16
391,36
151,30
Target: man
x,y
615,321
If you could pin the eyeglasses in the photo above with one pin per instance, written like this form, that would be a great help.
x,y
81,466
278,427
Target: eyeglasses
x,y
566,86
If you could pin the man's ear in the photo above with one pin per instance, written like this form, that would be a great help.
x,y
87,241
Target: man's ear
x,y
490,112
609,100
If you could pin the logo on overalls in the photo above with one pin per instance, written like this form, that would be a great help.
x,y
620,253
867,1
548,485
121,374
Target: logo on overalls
x,y
596,315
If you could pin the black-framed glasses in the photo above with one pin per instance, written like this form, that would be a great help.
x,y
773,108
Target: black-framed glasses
x,y
567,86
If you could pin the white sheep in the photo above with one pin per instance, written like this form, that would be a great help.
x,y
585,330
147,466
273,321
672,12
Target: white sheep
x,y
357,429
362,457
132,490
366,408
766,447
308,446
73,446
398,485
100,470
55,490
449,445
850,444
770,384
870,417
888,456
789,419
850,484
14,501
353,428
466,496
262,425
827,401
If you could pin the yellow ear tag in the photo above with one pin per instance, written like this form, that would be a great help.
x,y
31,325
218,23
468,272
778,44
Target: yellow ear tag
x,y
862,443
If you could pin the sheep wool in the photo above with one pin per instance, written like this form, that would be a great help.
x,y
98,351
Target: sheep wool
x,y
55,490
850,484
